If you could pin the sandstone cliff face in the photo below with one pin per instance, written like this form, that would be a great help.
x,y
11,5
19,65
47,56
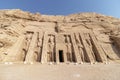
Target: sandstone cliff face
x,y
32,37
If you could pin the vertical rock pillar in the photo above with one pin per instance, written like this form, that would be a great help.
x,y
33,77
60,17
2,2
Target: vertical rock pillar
x,y
75,49
44,49
89,56
31,55
39,45
99,52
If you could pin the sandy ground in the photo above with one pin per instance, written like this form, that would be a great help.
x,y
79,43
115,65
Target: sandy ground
x,y
59,72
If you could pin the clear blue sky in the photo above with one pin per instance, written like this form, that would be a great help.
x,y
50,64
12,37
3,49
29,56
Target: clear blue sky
x,y
64,7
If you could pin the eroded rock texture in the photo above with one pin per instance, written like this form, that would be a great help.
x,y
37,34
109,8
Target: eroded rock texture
x,y
79,38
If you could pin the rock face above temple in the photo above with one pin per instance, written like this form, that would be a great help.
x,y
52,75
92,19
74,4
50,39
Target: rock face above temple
x,y
79,38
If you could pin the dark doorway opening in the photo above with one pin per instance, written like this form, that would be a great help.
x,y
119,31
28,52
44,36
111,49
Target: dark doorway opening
x,y
61,57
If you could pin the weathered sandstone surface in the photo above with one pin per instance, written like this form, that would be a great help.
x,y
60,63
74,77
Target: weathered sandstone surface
x,y
79,38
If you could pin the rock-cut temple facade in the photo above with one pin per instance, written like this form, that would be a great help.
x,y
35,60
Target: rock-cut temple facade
x,y
61,47
79,38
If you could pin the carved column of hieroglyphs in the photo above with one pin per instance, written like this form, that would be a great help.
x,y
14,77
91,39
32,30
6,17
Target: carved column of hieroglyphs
x,y
75,49
64,50
39,45
44,49
56,49
69,49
